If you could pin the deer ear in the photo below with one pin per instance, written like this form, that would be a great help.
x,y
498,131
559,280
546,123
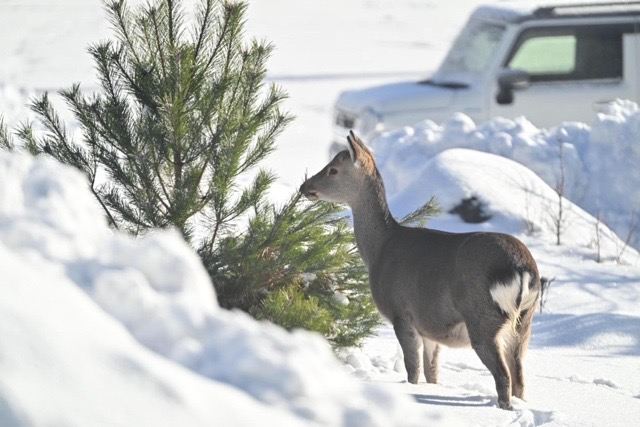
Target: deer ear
x,y
351,146
362,156
357,142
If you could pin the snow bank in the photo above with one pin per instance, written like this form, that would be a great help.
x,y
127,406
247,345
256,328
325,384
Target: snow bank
x,y
65,362
517,200
598,164
93,320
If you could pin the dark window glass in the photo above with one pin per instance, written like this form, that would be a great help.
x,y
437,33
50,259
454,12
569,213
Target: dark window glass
x,y
579,53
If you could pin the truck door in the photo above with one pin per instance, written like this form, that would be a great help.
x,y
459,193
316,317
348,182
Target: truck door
x,y
573,72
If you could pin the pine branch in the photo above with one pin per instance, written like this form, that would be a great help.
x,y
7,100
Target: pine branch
x,y
158,43
423,213
6,141
203,20
228,23
174,21
117,13
29,140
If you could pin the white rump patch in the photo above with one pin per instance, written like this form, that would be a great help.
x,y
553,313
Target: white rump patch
x,y
506,294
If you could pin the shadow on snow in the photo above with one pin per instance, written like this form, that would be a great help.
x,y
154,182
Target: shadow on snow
x,y
616,333
435,399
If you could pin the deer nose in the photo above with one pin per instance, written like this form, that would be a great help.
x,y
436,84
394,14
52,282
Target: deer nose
x,y
308,191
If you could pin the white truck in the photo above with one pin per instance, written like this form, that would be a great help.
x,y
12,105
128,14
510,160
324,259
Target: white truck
x,y
550,64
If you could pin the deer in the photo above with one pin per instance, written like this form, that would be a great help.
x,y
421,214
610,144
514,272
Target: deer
x,y
478,289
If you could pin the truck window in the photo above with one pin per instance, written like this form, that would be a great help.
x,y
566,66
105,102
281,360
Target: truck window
x,y
546,55
578,53
473,49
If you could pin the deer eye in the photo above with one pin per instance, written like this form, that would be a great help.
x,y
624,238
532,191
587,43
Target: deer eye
x,y
333,171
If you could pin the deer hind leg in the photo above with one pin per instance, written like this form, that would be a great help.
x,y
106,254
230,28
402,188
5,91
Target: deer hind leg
x,y
516,351
487,341
411,344
430,357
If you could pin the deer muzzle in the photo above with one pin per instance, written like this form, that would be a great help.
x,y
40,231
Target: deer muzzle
x,y
309,191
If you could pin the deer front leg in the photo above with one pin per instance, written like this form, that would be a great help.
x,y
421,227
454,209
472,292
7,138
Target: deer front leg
x,y
411,344
431,351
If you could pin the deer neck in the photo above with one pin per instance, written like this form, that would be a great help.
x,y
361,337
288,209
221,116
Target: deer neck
x,y
373,223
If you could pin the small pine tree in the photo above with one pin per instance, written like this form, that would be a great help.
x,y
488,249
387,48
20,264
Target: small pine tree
x,y
181,116
177,120
296,266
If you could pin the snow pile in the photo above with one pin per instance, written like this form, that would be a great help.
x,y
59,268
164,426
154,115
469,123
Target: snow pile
x,y
597,165
63,360
515,199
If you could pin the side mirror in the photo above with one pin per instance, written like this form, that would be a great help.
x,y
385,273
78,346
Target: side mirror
x,y
508,81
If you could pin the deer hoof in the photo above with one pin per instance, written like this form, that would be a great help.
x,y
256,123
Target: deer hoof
x,y
506,405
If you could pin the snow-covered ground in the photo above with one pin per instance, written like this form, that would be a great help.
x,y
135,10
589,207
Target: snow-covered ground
x,y
93,321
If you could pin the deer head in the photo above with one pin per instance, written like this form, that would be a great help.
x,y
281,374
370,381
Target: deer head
x,y
342,179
